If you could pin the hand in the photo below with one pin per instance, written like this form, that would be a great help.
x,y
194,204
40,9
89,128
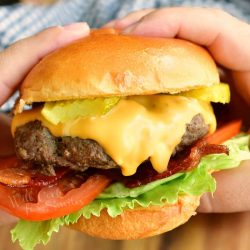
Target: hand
x,y
227,39
16,62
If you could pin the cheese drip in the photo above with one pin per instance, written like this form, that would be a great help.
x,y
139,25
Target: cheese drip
x,y
136,129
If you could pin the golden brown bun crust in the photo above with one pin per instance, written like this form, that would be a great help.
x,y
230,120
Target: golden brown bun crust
x,y
141,222
109,64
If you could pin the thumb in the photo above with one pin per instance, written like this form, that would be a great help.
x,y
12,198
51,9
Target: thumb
x,y
232,193
18,59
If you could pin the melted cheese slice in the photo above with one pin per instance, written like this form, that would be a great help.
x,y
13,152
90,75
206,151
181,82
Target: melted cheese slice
x,y
136,129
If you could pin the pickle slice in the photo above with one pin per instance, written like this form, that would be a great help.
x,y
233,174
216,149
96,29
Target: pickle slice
x,y
216,93
65,111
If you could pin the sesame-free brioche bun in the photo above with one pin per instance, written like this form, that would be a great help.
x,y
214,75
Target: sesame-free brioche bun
x,y
110,64
140,222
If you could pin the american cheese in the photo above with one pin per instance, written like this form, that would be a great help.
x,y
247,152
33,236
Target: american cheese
x,y
136,129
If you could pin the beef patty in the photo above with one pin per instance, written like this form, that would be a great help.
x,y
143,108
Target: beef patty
x,y
36,145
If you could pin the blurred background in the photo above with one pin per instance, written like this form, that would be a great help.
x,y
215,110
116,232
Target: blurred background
x,y
8,2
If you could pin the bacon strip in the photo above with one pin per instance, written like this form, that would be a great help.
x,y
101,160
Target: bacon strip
x,y
14,176
19,176
181,163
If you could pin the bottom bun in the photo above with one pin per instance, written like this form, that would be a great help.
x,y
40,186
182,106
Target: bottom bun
x,y
139,222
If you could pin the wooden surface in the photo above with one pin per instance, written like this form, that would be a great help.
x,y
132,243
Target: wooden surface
x,y
202,232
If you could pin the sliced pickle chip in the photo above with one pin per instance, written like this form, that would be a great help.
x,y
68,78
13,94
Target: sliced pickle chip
x,y
216,93
65,111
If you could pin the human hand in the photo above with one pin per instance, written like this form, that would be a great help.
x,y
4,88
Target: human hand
x,y
227,39
16,62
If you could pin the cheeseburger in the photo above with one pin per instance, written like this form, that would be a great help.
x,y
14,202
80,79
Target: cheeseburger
x,y
117,140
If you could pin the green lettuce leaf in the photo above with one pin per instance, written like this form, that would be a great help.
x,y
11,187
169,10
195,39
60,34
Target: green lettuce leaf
x,y
30,233
116,198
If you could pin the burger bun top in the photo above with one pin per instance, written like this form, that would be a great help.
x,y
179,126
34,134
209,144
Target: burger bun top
x,y
107,63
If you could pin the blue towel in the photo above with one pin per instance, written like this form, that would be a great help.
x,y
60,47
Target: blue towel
x,y
22,20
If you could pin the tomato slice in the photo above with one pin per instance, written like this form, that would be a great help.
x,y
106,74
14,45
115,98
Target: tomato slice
x,y
43,203
225,132
52,202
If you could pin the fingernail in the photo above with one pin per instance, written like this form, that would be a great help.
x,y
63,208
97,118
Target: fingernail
x,y
76,26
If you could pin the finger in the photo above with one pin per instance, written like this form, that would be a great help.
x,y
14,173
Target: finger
x,y
129,19
226,37
18,59
232,193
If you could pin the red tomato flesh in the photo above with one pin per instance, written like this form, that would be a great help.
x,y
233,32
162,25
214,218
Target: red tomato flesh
x,y
225,132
